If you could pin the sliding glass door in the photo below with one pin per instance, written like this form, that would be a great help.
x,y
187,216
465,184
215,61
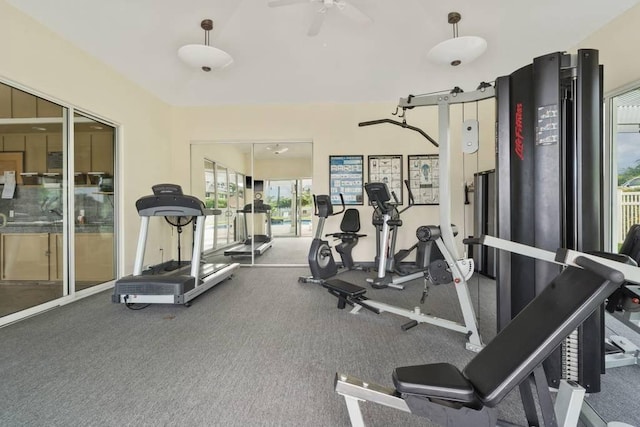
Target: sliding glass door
x,y
57,208
224,191
625,131
93,204
291,205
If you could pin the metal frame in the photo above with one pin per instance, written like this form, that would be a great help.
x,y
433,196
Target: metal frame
x,y
203,282
385,278
461,269
446,242
565,412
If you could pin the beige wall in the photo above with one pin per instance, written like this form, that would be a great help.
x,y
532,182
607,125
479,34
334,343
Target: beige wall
x,y
617,43
40,60
334,131
282,168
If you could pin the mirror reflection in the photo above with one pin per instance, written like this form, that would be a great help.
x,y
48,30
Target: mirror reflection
x,y
261,194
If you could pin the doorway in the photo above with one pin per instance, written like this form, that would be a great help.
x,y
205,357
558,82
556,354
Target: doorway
x,y
291,207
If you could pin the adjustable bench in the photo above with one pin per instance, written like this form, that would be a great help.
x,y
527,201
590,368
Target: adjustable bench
x,y
450,397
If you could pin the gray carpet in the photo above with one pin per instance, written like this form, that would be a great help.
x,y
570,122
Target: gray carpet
x,y
260,349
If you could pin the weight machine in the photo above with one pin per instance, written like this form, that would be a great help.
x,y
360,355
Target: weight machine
x,y
550,192
459,268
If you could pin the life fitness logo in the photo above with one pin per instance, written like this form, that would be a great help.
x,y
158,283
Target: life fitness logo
x,y
519,141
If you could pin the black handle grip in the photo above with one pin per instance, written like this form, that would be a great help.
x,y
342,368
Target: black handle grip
x,y
402,125
473,241
373,122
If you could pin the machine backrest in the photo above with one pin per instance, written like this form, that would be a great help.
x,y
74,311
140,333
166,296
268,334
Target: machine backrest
x,y
350,221
539,328
631,244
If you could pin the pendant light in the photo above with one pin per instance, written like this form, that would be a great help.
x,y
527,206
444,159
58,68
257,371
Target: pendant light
x,y
277,149
202,55
457,50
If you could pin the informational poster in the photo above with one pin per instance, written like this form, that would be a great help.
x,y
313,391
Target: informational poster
x,y
424,179
387,169
345,177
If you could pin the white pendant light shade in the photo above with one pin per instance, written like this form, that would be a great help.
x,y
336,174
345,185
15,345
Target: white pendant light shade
x,y
459,50
201,56
204,56
277,149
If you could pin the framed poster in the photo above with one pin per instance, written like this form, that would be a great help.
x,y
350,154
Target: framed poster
x,y
424,178
387,169
345,177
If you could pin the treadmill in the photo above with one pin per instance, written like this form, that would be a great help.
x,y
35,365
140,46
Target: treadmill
x,y
258,243
179,286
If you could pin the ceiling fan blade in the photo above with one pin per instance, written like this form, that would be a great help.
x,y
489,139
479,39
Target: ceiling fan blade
x,y
278,3
354,13
317,22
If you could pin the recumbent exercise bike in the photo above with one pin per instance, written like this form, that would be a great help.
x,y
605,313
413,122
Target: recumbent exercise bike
x,y
321,262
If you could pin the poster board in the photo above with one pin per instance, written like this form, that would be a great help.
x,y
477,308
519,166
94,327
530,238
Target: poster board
x,y
387,169
424,178
346,175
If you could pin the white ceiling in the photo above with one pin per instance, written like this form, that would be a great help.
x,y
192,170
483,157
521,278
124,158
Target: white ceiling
x,y
276,62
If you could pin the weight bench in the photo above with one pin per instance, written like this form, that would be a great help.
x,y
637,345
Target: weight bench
x,y
450,397
347,293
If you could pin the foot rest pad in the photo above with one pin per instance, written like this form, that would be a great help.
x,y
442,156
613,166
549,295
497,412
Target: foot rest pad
x,y
344,288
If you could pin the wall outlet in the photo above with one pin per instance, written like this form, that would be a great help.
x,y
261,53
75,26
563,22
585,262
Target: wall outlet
x,y
11,214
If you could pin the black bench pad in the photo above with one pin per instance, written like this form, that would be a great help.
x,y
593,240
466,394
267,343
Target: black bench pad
x,y
344,288
437,380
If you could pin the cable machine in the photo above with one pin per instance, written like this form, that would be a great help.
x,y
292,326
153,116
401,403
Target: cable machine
x,y
459,269
550,190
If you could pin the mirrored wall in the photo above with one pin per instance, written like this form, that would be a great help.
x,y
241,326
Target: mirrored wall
x,y
260,194
56,214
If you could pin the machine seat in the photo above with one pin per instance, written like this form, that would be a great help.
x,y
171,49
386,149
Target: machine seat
x,y
438,380
344,288
349,227
350,221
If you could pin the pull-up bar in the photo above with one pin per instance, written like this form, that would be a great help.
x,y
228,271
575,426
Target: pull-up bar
x,y
401,124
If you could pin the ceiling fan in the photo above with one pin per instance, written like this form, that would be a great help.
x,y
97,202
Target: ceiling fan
x,y
344,6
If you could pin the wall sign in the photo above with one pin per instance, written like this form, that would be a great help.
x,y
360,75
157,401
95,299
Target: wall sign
x,y
388,170
424,179
345,177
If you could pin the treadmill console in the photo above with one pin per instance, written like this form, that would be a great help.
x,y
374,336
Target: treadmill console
x,y
173,189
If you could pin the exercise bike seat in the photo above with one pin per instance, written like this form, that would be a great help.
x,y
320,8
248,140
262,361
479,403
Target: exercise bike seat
x,y
349,226
350,221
